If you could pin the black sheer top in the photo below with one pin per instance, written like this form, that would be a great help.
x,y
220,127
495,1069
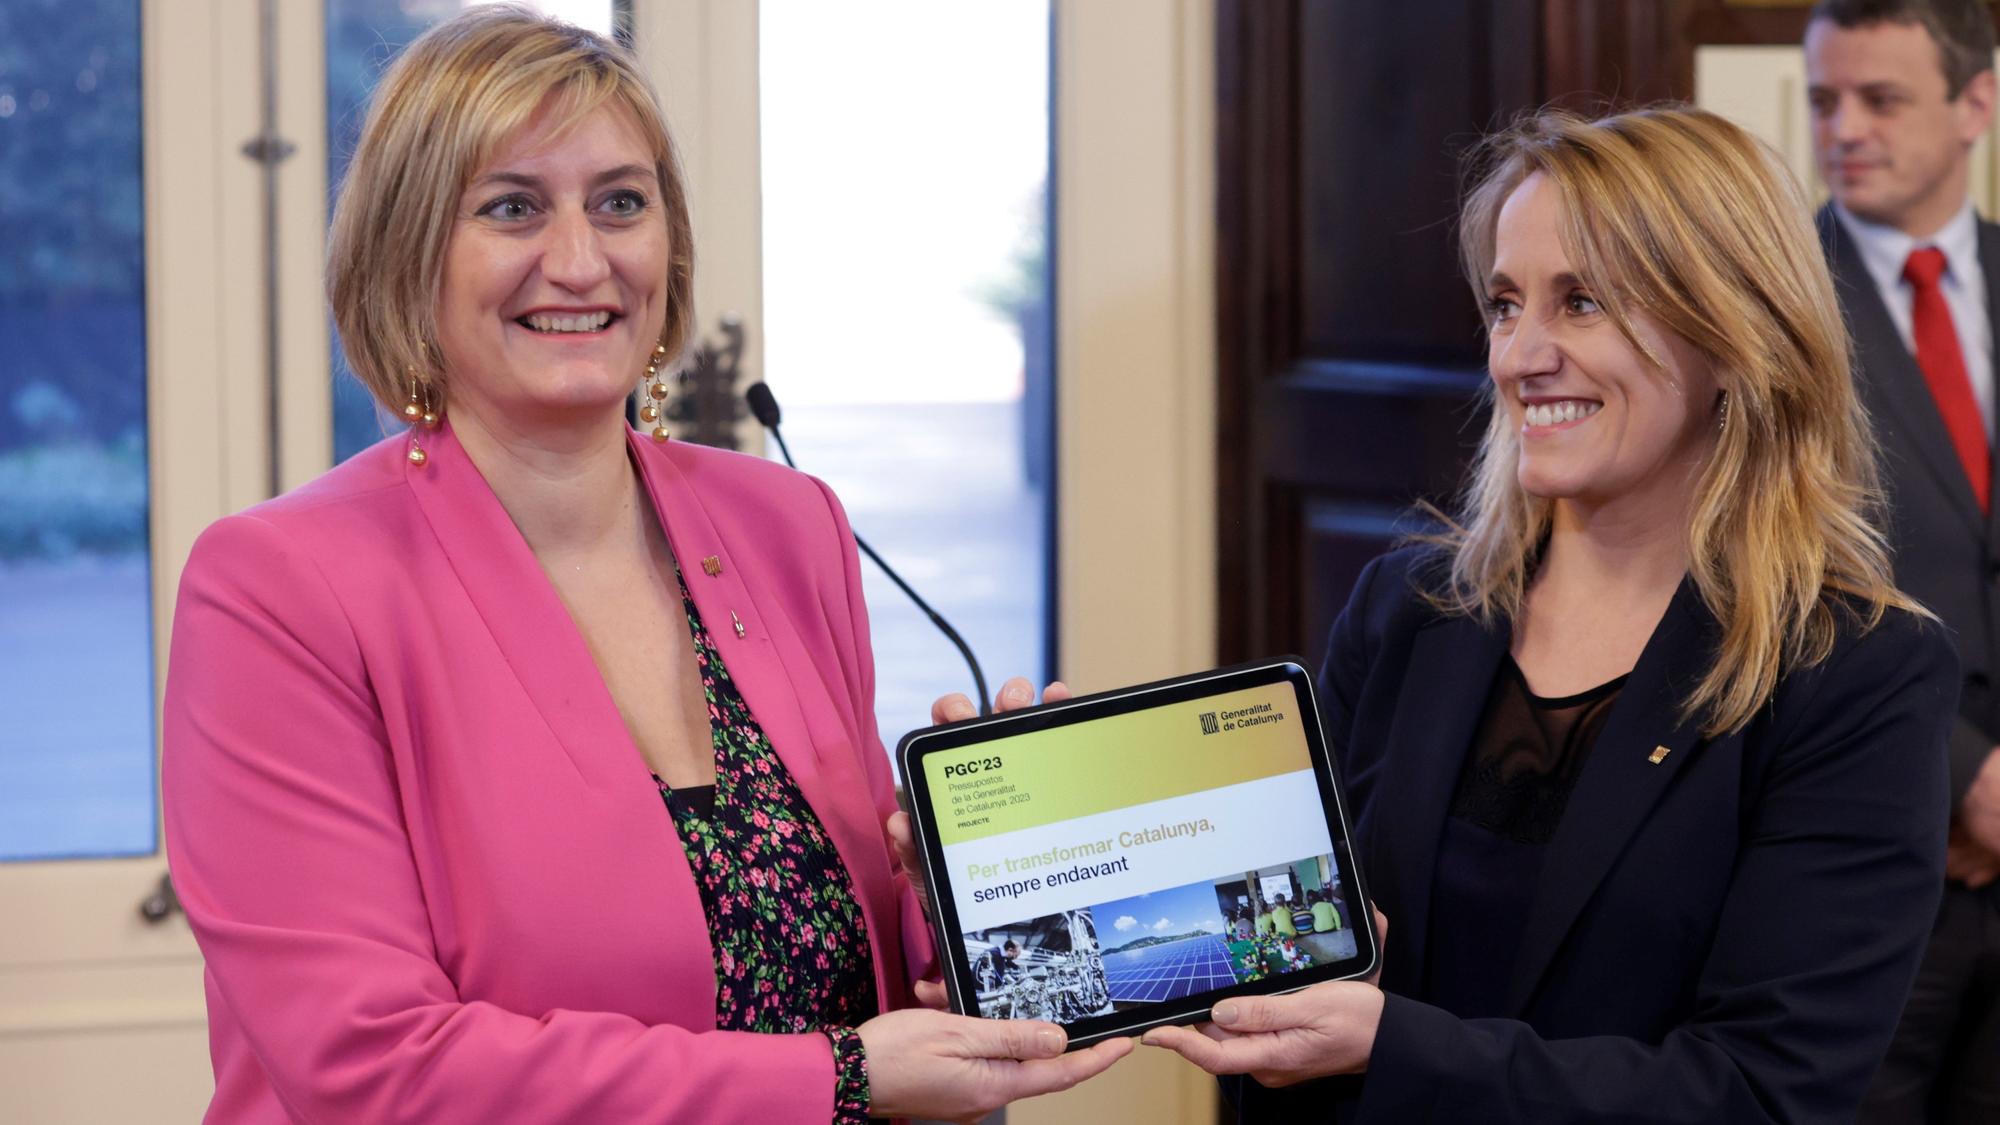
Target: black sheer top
x,y
1525,758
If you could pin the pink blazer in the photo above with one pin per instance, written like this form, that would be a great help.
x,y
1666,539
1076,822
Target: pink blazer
x,y
429,872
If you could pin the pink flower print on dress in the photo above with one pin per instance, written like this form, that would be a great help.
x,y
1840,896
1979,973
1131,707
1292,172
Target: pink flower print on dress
x,y
790,944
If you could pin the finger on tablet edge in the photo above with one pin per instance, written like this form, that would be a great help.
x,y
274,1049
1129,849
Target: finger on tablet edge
x,y
952,708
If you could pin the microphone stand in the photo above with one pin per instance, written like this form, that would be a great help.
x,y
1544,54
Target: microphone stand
x,y
770,421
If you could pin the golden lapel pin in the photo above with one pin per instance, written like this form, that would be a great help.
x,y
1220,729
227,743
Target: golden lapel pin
x,y
711,566
1658,755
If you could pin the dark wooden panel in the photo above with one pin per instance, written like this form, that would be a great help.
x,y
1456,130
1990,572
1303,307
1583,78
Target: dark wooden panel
x,y
1695,23
1349,347
1375,431
1597,55
1338,539
1380,139
1723,23
1257,144
1257,254
1346,447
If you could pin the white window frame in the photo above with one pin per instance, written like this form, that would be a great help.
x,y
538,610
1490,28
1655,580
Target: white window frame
x,y
102,1015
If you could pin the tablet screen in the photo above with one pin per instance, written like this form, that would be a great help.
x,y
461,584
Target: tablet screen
x,y
1113,863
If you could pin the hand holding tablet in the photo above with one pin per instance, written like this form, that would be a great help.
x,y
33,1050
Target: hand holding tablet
x,y
1129,859
1324,1030
935,1065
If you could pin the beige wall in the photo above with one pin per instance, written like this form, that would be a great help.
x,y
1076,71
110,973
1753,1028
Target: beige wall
x,y
1135,368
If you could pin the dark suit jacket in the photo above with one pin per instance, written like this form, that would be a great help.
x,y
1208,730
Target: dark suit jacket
x,y
1947,553
1724,936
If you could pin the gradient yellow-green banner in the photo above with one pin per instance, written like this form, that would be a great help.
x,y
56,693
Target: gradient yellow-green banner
x,y
1113,763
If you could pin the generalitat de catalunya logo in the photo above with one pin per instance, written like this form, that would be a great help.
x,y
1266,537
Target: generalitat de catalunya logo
x,y
1209,723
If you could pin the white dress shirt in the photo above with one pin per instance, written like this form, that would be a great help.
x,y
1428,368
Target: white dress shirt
x,y
1884,249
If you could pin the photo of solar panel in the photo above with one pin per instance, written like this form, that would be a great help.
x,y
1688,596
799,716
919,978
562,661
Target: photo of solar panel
x,y
1168,971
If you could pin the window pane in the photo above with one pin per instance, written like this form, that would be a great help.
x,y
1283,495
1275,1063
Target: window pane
x,y
361,37
905,153
76,660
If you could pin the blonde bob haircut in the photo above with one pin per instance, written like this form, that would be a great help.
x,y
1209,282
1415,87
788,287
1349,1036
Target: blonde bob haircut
x,y
1678,213
441,112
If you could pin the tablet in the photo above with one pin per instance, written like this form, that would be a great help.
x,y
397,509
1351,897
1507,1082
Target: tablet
x,y
1125,860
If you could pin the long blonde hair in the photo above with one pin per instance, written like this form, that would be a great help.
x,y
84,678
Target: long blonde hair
x,y
1680,213
443,109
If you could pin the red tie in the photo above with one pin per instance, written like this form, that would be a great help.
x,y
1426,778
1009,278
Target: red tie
x,y
1944,369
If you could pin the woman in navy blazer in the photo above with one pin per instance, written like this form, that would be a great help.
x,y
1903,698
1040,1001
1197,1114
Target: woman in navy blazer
x,y
1646,751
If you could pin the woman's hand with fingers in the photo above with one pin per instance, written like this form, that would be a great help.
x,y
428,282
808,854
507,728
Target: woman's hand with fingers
x,y
903,846
1013,695
959,1068
929,993
1279,1040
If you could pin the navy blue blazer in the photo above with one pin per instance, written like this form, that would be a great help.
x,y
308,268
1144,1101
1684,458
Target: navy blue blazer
x,y
1723,935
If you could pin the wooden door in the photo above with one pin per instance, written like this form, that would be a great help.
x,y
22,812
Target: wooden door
x,y
1350,356
1349,350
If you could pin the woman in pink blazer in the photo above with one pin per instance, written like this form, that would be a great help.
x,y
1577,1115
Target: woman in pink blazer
x,y
524,767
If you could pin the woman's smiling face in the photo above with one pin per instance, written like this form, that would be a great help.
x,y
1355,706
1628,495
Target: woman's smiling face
x,y
1597,421
555,275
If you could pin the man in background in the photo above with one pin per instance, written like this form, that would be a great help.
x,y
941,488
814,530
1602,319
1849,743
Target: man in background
x,y
1899,90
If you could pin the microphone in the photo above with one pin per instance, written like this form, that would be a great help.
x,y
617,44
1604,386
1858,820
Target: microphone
x,y
764,407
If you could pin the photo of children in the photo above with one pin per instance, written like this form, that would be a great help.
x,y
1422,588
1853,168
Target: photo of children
x,y
1285,918
1046,968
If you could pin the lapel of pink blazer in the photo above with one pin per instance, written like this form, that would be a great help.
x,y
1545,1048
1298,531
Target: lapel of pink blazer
x,y
786,691
528,621
554,667
546,653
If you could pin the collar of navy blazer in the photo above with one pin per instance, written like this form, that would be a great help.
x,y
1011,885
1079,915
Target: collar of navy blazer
x,y
1452,664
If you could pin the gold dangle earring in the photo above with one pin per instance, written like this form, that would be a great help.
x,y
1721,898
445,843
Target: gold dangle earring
x,y
655,394
1722,416
421,410
418,413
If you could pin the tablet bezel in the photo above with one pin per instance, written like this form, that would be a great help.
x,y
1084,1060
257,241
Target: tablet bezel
x,y
943,916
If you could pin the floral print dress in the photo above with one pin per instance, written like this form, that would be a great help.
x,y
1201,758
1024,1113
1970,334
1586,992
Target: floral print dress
x,y
791,951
